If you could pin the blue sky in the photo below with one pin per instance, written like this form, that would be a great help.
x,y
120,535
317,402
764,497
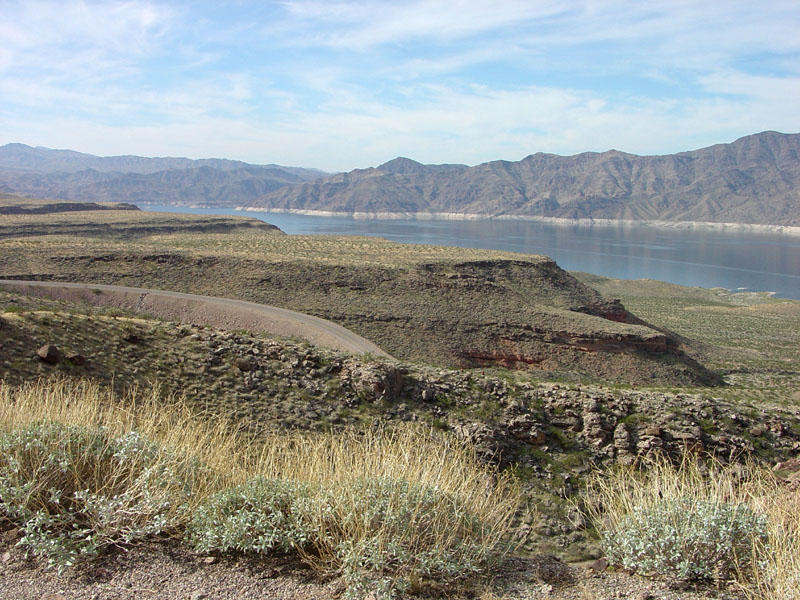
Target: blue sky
x,y
343,85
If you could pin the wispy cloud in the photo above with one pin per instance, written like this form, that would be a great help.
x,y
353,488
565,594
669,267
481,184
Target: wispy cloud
x,y
344,84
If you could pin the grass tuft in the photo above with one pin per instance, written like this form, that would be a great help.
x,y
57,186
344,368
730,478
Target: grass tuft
x,y
697,520
388,509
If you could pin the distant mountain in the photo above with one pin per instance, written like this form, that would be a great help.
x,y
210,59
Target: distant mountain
x,y
70,175
46,160
755,179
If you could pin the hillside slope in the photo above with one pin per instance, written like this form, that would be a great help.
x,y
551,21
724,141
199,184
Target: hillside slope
x,y
447,306
755,179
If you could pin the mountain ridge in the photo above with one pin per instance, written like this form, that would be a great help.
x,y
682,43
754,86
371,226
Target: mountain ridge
x,y
754,180
49,160
75,176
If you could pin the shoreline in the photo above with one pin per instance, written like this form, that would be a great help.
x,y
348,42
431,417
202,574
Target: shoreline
x,y
423,216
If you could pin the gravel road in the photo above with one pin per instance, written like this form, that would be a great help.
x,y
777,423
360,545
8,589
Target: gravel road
x,y
222,313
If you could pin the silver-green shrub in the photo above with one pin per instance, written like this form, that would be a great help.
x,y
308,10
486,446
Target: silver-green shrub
x,y
75,489
687,540
258,516
382,534
388,534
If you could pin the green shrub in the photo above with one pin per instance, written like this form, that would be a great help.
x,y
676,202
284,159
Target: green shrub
x,y
76,489
687,539
258,516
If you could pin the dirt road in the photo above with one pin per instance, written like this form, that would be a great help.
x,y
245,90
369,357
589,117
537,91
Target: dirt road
x,y
222,313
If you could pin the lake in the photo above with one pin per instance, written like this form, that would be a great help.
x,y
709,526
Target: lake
x,y
736,260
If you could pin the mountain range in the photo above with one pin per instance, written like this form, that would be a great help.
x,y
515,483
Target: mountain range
x,y
70,175
755,180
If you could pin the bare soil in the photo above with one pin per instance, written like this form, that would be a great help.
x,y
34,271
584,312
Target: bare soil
x,y
166,569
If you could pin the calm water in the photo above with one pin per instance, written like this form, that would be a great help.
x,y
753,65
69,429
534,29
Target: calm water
x,y
733,260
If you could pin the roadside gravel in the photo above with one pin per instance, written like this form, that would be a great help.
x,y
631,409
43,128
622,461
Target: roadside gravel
x,y
169,570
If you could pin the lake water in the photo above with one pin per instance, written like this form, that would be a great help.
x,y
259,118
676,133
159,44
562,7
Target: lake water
x,y
745,261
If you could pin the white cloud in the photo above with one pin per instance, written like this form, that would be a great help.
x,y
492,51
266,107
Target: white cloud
x,y
468,126
79,39
344,84
361,25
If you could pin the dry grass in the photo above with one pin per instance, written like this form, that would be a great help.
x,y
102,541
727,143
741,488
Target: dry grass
x,y
777,573
171,425
768,569
411,494
407,487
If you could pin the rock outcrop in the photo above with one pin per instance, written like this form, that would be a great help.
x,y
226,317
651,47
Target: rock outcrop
x,y
50,354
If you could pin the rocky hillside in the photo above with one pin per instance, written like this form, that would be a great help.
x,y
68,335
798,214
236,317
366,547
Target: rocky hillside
x,y
70,175
553,433
755,179
449,306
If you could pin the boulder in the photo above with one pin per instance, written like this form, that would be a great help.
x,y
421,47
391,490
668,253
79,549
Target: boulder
x,y
76,358
243,364
377,381
594,429
622,438
50,354
527,429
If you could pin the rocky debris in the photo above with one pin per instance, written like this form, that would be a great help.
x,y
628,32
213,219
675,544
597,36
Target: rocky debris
x,y
599,565
553,433
284,383
489,443
595,429
528,429
76,358
375,381
50,354
622,438
3,323
789,471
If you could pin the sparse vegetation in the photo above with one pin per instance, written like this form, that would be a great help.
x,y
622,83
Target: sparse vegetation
x,y
388,505
387,509
700,521
751,338
466,307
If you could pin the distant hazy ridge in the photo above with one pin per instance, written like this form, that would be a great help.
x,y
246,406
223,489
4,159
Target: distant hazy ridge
x,y
755,179
69,175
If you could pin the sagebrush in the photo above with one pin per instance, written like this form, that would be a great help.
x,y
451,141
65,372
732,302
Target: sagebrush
x,y
387,509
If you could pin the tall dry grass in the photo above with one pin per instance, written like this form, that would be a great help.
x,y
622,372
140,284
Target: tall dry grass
x,y
167,422
408,492
776,570
766,568
407,501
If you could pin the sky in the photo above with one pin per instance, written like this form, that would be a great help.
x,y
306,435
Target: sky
x,y
343,85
